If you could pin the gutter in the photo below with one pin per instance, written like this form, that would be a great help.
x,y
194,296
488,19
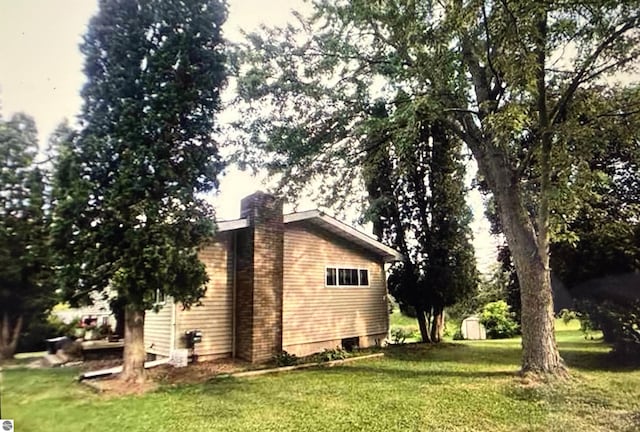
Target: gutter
x,y
234,255
172,338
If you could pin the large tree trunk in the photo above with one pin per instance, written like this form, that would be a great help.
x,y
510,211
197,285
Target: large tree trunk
x,y
424,325
437,324
134,352
9,337
540,353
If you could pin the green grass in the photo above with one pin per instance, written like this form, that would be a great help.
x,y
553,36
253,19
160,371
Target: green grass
x,y
467,386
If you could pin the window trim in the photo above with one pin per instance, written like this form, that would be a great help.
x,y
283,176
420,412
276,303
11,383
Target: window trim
x,y
337,269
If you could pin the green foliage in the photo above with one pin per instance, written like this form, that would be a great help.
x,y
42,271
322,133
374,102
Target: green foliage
x,y
619,322
399,335
321,95
128,213
567,316
26,293
42,328
328,355
312,117
283,358
498,320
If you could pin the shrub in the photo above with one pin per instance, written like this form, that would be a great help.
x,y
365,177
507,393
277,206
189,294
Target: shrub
x,y
39,329
285,359
498,320
399,335
567,316
331,355
458,335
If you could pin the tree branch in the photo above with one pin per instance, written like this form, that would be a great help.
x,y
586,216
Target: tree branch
x,y
559,111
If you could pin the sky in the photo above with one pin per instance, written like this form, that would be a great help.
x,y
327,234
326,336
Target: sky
x,y
41,75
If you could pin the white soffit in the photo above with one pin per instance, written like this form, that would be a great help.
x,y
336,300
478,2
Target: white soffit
x,y
346,232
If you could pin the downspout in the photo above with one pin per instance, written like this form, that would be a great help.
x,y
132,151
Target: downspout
x,y
172,339
234,254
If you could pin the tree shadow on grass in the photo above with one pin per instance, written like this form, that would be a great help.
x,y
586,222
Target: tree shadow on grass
x,y
495,354
409,373
589,360
587,355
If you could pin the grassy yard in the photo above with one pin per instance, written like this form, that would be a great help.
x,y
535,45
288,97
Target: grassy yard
x,y
468,386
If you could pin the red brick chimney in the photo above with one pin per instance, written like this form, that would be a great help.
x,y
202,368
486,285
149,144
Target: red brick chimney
x,y
259,274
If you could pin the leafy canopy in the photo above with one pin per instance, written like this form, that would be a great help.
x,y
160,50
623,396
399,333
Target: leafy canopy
x,y
129,214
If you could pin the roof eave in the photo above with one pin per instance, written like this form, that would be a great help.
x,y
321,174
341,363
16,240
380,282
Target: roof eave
x,y
388,254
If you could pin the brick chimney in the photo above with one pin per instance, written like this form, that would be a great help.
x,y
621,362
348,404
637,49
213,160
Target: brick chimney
x,y
259,274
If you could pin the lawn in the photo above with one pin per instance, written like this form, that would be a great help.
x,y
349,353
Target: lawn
x,y
467,386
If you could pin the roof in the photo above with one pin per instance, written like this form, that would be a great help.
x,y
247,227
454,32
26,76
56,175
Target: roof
x,y
334,226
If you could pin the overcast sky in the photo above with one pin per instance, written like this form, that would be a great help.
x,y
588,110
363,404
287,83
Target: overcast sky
x,y
41,75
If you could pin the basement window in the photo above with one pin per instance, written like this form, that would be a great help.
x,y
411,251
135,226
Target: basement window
x,y
346,277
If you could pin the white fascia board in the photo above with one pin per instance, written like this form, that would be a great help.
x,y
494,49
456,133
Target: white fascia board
x,y
298,216
232,225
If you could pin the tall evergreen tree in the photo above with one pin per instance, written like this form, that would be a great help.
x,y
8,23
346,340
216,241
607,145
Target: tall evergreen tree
x,y
25,291
417,205
129,217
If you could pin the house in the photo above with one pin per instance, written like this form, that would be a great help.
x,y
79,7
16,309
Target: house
x,y
300,282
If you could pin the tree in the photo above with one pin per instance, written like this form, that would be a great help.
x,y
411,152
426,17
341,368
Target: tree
x,y
494,69
128,216
415,189
597,201
25,291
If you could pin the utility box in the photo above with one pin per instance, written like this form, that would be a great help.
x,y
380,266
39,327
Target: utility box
x,y
193,337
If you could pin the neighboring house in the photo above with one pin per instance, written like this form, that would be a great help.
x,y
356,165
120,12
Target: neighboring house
x,y
301,283
99,312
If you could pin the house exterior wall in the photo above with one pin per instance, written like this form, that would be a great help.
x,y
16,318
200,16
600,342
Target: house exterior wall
x,y
315,316
214,317
157,330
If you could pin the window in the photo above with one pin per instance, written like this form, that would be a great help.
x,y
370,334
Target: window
x,y
364,277
331,277
347,277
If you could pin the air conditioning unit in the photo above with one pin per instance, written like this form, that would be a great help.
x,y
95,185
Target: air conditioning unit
x,y
6,425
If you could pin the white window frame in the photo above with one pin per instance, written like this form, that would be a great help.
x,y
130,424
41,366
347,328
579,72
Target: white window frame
x,y
337,268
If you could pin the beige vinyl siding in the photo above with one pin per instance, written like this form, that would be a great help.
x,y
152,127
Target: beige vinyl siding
x,y
157,330
214,316
314,313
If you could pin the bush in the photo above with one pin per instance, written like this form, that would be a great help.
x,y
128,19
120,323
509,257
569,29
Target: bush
x,y
38,330
331,355
498,321
285,359
399,335
567,316
458,335
619,322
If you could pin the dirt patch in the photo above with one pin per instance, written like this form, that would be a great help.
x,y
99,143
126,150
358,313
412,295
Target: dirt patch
x,y
161,375
196,372
94,365
113,387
